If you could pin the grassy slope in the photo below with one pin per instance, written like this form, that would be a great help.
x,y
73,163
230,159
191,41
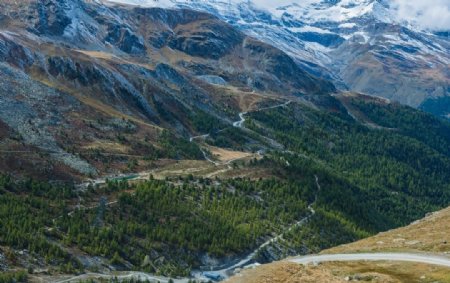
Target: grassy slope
x,y
427,235
365,187
413,132
430,234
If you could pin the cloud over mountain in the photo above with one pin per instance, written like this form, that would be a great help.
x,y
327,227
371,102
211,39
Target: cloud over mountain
x,y
429,14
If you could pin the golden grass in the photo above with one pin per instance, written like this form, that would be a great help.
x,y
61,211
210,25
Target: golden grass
x,y
95,104
113,58
431,234
98,54
107,146
336,272
225,155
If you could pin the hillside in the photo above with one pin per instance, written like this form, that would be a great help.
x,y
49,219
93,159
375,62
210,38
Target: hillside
x,y
304,195
153,142
89,89
362,45
427,236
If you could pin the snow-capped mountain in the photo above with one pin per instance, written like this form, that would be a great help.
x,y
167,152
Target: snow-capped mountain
x,y
361,44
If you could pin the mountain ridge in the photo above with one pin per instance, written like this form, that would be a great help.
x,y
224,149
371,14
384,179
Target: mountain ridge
x,y
362,49
142,141
144,66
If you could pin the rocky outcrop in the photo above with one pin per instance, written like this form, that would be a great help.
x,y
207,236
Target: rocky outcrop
x,y
115,87
210,39
14,53
125,40
151,67
215,80
53,17
278,63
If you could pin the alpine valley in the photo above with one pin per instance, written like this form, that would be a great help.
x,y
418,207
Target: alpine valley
x,y
175,141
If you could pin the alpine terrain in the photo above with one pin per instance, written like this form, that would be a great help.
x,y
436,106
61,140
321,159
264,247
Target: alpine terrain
x,y
358,43
170,141
415,253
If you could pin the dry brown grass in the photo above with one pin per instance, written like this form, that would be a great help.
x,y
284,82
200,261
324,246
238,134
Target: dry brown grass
x,y
284,272
108,57
431,234
225,155
336,272
108,146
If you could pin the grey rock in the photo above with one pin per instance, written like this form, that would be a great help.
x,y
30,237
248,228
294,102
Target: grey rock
x,y
215,80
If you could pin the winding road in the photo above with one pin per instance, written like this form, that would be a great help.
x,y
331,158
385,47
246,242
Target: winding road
x,y
198,137
240,123
224,272
403,257
237,124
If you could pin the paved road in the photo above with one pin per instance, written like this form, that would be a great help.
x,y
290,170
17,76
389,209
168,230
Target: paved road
x,y
240,123
199,137
405,257
226,271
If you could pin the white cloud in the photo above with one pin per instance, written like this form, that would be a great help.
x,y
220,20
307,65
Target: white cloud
x,y
427,14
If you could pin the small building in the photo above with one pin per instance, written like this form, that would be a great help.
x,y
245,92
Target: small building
x,y
213,276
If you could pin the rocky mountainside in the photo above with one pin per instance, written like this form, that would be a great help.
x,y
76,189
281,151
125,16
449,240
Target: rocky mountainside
x,y
161,120
73,71
358,43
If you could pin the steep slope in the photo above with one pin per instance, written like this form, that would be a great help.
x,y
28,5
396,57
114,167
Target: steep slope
x,y
76,70
427,236
231,152
329,170
360,44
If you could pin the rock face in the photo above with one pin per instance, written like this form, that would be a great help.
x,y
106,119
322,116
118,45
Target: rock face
x,y
359,44
31,109
211,39
53,17
151,67
125,40
14,53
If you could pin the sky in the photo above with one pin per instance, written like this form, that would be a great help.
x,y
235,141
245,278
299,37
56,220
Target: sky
x,y
428,14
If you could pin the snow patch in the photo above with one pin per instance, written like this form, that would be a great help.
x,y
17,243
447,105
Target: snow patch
x,y
347,25
309,29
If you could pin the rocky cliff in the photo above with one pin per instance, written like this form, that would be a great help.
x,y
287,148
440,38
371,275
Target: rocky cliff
x,y
75,67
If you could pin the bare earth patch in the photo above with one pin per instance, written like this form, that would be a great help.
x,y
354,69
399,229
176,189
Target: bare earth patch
x,y
108,146
225,155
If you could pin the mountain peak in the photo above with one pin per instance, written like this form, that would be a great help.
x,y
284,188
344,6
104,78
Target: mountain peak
x,y
344,40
